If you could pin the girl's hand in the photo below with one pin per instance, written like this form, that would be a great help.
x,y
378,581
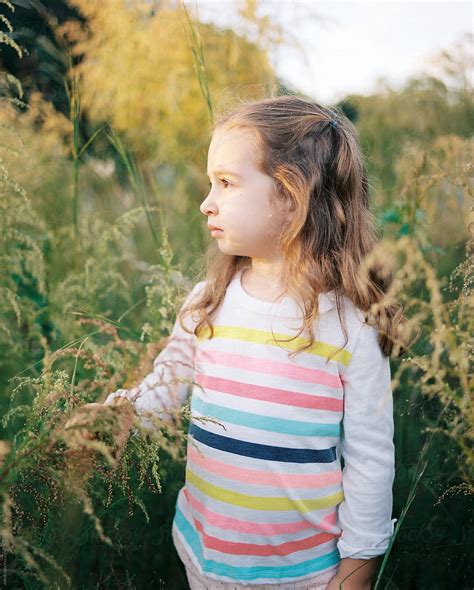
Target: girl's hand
x,y
337,584
354,574
82,418
85,415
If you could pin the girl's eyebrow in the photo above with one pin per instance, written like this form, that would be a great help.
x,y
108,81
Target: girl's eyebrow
x,y
228,172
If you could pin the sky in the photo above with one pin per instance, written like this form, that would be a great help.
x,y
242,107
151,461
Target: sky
x,y
350,44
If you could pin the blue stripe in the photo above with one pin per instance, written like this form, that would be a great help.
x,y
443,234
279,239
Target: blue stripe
x,y
251,420
257,451
251,573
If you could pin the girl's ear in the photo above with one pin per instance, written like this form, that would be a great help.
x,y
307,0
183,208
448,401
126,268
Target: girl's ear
x,y
284,203
289,206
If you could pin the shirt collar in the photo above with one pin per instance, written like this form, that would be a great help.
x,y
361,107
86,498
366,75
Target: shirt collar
x,y
286,308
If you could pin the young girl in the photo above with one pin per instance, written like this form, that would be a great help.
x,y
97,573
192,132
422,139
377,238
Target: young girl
x,y
286,343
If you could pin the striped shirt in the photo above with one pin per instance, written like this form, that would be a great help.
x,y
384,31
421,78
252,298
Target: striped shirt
x,y
290,460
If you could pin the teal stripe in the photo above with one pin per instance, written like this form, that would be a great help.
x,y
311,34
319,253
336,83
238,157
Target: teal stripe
x,y
252,420
251,573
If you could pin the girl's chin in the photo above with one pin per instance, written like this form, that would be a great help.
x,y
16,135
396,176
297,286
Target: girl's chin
x,y
226,248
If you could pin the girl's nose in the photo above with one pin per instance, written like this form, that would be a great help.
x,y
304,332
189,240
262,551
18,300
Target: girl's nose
x,y
207,206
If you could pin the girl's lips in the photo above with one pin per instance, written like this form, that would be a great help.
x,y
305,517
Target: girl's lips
x,y
216,232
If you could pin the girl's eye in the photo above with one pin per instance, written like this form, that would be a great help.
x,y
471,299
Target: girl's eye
x,y
223,180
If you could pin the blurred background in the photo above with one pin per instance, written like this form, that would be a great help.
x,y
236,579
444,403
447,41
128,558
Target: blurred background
x,y
106,110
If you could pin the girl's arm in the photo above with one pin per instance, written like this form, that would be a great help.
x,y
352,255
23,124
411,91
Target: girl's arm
x,y
166,386
369,454
354,574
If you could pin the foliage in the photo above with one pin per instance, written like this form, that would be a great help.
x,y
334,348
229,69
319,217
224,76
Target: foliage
x,y
91,279
424,108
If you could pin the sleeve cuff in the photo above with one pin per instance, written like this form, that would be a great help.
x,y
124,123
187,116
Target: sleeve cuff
x,y
144,411
358,545
114,394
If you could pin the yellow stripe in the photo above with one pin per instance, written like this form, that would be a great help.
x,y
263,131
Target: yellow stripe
x,y
258,503
263,337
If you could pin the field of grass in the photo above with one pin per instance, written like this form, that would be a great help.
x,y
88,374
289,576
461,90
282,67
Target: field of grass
x,y
101,239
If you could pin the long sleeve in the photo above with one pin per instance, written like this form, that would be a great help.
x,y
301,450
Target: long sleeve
x,y
368,451
166,387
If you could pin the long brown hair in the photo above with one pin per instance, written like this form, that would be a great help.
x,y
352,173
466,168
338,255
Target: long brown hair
x,y
320,169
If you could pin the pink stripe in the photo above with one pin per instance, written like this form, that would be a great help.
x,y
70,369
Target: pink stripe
x,y
329,521
270,394
283,480
254,549
249,363
243,526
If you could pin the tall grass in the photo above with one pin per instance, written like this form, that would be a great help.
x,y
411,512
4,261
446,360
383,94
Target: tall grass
x,y
71,337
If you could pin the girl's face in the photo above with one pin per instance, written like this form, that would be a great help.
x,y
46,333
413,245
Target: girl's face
x,y
239,200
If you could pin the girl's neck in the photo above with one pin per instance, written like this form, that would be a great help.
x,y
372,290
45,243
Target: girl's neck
x,y
262,286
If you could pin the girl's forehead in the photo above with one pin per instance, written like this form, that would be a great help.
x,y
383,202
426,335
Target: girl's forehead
x,y
234,137
234,145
